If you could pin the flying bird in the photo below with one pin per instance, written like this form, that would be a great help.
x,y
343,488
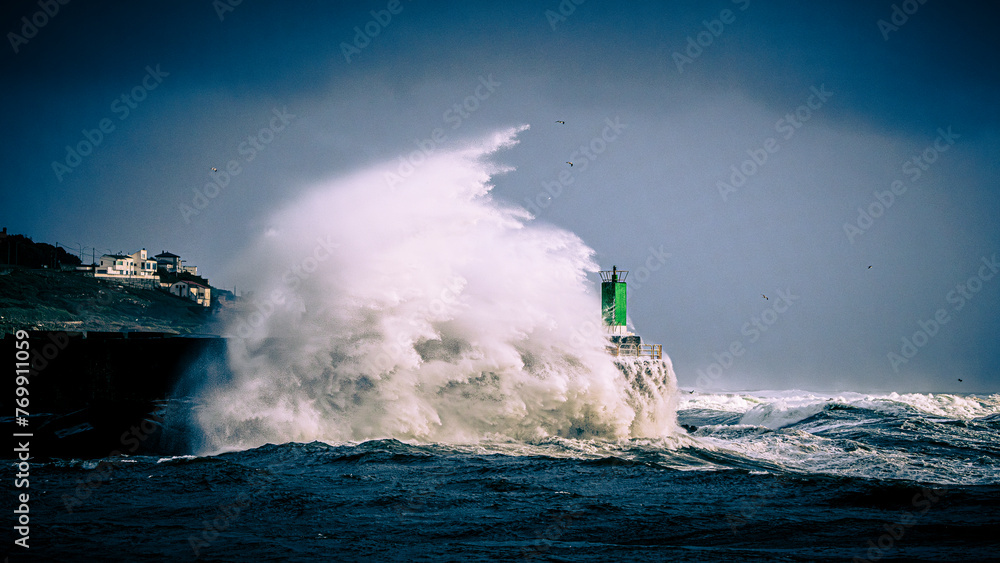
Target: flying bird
x,y
764,296
960,379
570,163
869,267
563,122
214,169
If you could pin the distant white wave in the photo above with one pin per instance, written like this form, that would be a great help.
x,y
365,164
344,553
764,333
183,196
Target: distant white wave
x,y
884,436
777,409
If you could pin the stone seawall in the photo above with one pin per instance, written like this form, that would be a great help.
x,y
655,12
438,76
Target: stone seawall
x,y
93,394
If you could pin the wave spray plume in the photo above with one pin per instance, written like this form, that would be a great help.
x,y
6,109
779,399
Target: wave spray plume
x,y
429,311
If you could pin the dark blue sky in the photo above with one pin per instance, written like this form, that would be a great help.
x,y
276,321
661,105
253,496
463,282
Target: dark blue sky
x,y
889,94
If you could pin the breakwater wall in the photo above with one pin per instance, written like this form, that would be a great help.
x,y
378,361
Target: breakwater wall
x,y
91,395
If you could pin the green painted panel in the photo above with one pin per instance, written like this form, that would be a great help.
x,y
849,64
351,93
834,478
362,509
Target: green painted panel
x,y
607,302
613,303
620,304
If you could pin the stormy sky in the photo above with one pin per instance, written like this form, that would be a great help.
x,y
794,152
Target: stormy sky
x,y
839,158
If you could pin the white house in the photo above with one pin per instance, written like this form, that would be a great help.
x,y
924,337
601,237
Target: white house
x,y
130,266
196,292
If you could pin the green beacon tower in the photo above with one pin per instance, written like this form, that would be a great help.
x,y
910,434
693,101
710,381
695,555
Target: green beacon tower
x,y
613,300
613,311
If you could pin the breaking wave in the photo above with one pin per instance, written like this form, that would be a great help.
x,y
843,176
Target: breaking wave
x,y
422,308
939,438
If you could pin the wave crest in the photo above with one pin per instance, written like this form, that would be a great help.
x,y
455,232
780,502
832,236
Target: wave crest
x,y
424,310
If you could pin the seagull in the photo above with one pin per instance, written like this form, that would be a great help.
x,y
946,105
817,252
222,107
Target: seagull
x,y
764,296
563,122
570,163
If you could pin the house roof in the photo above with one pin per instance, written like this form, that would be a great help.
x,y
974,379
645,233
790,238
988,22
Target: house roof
x,y
166,254
190,283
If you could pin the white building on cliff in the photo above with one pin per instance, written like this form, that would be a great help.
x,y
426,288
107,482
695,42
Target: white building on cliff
x,y
135,266
194,291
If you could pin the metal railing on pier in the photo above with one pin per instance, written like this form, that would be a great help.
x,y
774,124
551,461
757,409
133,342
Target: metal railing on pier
x,y
654,351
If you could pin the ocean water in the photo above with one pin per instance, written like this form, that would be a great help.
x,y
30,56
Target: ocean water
x,y
766,476
422,375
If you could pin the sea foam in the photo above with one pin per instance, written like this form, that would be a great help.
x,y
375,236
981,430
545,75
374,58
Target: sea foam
x,y
424,310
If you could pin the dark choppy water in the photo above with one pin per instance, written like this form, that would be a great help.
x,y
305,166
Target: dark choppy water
x,y
779,476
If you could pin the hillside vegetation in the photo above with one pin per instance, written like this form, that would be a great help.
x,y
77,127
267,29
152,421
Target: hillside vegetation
x,y
54,300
